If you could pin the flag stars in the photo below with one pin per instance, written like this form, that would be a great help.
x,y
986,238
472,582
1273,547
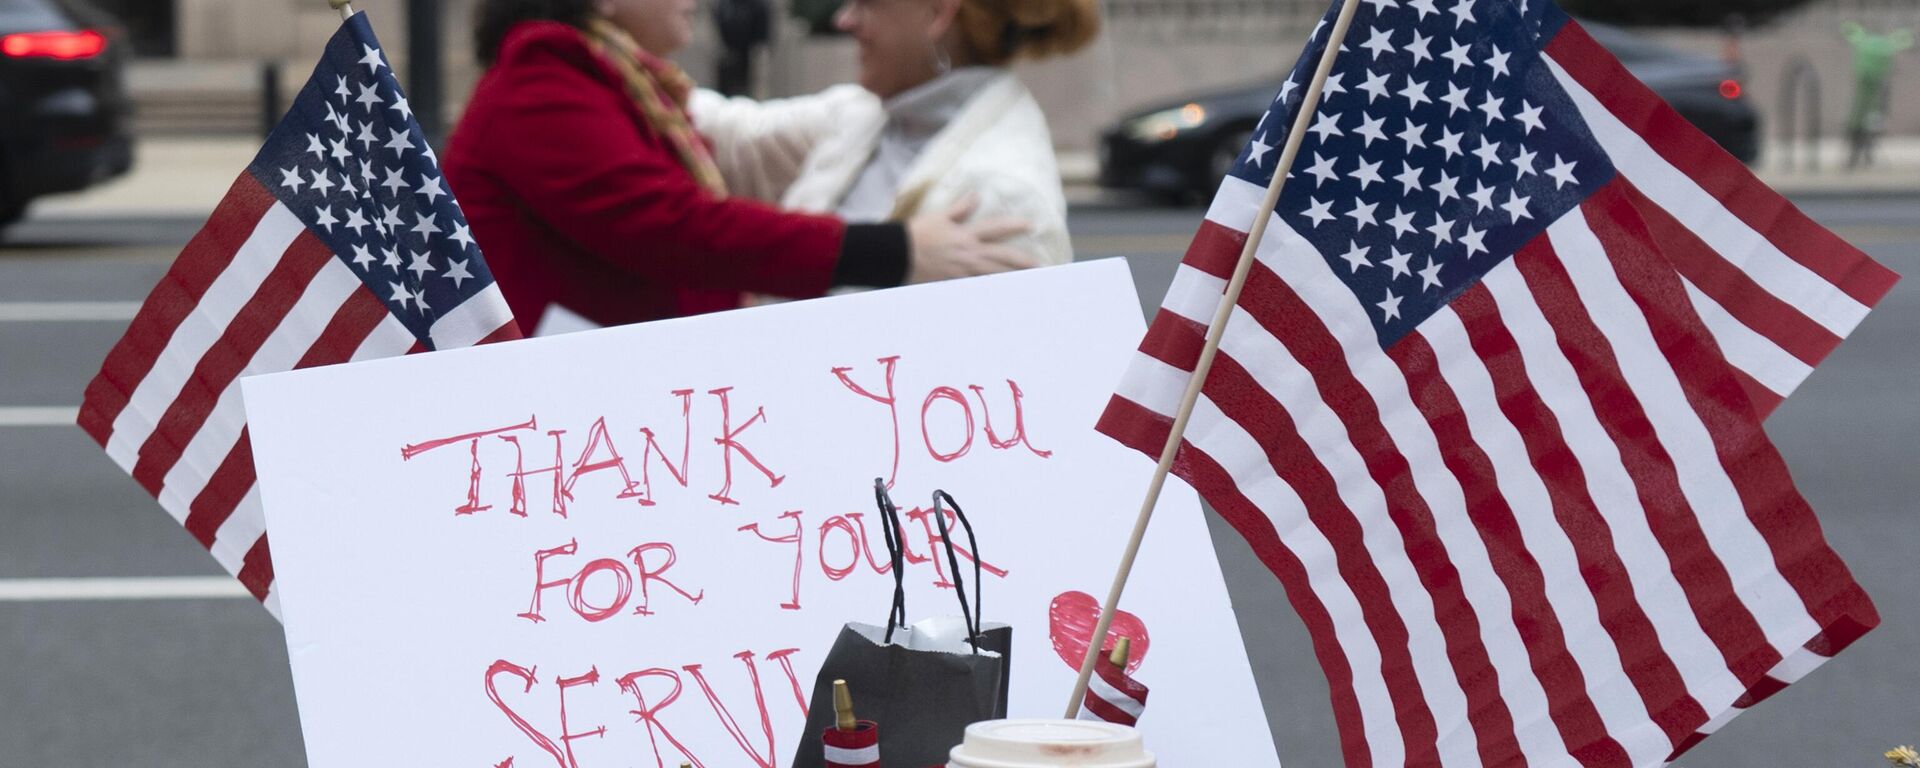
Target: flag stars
x,y
1362,215
400,141
1257,150
324,217
1562,172
1498,62
1441,229
1425,7
318,149
1523,163
1375,85
457,272
1409,178
1474,240
1368,174
1456,98
356,221
1378,43
394,183
1397,263
430,189
424,226
1319,212
362,257
1411,134
1482,196
1461,55
366,137
1490,107
1530,117
1488,152
1462,13
1430,275
322,182
390,259
1326,124
1402,223
1356,257
1420,48
1322,170
1447,187
340,151
1370,127
419,265
290,179
1415,92
1450,141
1382,6
1334,85
463,236
1390,308
400,295
1516,206
369,94
400,106
342,91
391,220
372,60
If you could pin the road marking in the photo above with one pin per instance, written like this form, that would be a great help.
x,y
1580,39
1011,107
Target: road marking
x,y
67,311
38,416
147,588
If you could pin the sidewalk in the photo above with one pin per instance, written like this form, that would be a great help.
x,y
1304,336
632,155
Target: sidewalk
x,y
175,177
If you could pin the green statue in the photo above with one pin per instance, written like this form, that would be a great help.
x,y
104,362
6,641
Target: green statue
x,y
1873,57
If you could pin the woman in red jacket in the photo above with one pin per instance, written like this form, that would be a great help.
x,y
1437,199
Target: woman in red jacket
x,y
586,184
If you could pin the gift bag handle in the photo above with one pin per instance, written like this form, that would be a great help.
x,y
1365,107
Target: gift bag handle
x,y
890,529
976,617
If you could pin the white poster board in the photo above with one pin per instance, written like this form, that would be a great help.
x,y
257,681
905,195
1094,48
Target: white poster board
x,y
711,529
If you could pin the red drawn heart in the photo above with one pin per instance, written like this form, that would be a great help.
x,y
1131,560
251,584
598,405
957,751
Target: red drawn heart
x,y
1072,618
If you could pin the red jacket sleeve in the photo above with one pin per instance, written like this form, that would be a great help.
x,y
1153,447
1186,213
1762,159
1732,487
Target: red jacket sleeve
x,y
566,141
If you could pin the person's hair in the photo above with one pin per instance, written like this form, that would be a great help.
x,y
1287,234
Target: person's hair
x,y
996,32
495,17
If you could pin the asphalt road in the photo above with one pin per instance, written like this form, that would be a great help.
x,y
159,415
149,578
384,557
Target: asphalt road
x,y
204,682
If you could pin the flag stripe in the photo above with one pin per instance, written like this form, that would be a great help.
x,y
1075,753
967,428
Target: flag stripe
x,y
1732,239
1771,369
1562,566
1609,238
1359,553
221,496
1603,569
1704,166
257,572
1670,508
215,436
202,262
1740,297
262,315
1572,714
1361,707
211,316
1118,683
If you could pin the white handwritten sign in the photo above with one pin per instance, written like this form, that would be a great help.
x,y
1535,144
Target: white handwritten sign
x,y
633,547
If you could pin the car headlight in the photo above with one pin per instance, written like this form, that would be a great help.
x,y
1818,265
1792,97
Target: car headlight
x,y
1167,123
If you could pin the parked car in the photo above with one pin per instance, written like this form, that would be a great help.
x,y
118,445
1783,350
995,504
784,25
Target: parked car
x,y
64,111
1182,149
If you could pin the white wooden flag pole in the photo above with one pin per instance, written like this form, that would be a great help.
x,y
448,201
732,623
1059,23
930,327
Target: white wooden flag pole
x,y
1308,105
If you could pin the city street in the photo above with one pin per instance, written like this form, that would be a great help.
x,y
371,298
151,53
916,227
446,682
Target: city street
x,y
203,680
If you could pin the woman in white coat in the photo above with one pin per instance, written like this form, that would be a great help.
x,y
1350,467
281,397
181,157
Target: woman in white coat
x,y
937,123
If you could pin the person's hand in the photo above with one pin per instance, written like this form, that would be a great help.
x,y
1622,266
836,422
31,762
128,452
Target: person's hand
x,y
945,245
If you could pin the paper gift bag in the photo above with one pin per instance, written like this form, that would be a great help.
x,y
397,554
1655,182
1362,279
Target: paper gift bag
x,y
923,683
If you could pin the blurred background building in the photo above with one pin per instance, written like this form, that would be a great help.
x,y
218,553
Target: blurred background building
x,y
199,69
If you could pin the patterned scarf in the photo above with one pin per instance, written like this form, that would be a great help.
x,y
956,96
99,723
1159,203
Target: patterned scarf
x,y
661,90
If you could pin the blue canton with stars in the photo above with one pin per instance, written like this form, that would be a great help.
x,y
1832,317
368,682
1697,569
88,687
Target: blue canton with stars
x,y
351,162
1442,145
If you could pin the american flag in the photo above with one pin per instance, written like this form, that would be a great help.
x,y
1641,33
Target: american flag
x,y
1467,414
1777,291
1113,696
339,242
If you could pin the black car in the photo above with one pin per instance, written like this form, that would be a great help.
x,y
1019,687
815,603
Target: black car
x,y
1182,149
64,111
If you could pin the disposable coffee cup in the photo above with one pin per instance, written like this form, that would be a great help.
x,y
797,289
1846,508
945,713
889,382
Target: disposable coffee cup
x,y
1050,744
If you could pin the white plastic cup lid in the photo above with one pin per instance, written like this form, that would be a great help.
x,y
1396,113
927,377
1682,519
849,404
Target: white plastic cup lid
x,y
1050,744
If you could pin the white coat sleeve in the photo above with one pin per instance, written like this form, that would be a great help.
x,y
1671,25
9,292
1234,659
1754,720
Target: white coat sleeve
x,y
762,146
